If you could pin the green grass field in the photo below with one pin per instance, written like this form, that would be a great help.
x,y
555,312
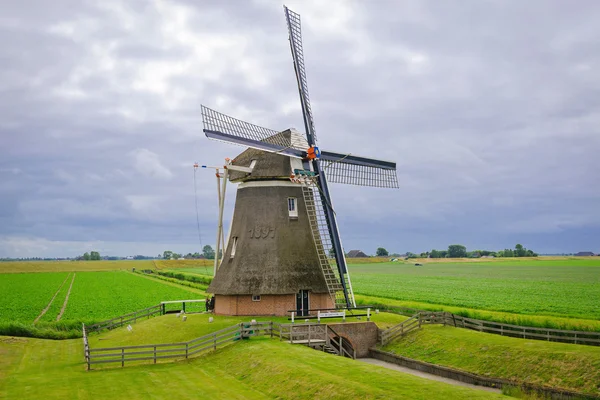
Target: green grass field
x,y
569,288
259,368
95,296
559,365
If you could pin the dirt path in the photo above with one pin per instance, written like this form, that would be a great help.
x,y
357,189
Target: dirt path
x,y
51,300
62,310
425,375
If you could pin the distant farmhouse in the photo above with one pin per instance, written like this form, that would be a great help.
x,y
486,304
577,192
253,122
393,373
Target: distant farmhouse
x,y
585,254
355,254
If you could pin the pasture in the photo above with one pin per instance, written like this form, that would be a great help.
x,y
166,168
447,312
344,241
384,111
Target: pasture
x,y
561,288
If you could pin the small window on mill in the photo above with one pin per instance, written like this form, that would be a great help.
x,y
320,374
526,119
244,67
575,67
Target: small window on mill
x,y
292,207
233,246
256,297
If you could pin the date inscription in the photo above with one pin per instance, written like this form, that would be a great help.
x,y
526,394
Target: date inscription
x,y
262,232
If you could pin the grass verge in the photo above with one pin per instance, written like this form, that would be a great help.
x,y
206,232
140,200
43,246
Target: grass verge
x,y
541,321
558,365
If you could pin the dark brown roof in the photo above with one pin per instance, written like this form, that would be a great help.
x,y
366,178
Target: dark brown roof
x,y
274,254
356,253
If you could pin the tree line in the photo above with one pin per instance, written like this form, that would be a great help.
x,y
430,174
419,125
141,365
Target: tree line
x,y
207,252
460,251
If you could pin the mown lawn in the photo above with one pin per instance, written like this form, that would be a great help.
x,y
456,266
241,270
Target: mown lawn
x,y
259,368
568,366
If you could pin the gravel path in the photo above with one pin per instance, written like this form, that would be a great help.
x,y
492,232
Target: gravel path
x,y
425,375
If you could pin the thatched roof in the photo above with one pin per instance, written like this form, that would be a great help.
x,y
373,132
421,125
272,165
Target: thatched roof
x,y
275,254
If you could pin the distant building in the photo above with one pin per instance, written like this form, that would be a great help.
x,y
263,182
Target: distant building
x,y
585,254
356,253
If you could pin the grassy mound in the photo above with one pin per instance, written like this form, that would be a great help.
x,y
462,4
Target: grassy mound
x,y
567,366
259,368
170,329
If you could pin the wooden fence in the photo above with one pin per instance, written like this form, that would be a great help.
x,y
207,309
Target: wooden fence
x,y
126,319
159,309
523,332
154,352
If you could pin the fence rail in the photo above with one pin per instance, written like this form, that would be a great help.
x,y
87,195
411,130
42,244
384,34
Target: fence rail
x,y
126,318
154,352
523,332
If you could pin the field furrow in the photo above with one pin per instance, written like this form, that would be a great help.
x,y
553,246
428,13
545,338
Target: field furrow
x,y
24,296
62,310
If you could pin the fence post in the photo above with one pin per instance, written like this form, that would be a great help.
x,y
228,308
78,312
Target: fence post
x,y
419,314
154,354
341,348
122,357
501,330
271,326
575,338
293,316
548,333
214,341
368,314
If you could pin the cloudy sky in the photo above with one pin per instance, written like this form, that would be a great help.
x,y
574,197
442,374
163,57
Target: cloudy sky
x,y
490,108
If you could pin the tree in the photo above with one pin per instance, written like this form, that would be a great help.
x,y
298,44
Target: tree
x,y
167,254
434,254
457,251
86,256
94,255
208,252
520,251
381,252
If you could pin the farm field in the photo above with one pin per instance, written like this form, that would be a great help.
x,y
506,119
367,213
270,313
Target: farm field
x,y
94,296
259,368
560,365
569,288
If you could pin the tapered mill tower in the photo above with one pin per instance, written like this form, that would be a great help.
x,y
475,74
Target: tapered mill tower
x,y
284,250
270,263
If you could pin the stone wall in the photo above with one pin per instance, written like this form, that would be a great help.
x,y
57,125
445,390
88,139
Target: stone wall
x,y
362,335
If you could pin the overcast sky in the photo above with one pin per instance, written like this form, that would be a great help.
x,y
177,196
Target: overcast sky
x,y
490,108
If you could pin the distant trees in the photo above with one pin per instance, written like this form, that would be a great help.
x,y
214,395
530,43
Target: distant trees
x,y
381,252
91,256
457,251
208,252
519,251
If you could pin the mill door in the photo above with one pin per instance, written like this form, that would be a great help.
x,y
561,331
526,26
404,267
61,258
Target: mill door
x,y
302,303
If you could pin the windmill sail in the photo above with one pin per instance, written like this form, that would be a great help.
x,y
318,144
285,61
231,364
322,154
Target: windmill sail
x,y
295,32
340,168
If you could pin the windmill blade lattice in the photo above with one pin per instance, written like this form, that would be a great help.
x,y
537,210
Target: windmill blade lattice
x,y
219,126
361,175
295,31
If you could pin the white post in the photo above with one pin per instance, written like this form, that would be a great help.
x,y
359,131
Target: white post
x,y
368,314
220,228
293,316
319,316
218,222
344,316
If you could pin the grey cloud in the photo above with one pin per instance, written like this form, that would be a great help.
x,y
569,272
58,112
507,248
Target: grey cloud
x,y
490,110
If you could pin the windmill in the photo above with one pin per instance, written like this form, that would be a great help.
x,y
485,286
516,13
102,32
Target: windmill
x,y
284,228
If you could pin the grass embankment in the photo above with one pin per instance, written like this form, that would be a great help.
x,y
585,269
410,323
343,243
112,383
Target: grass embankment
x,y
171,329
259,368
558,365
541,321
